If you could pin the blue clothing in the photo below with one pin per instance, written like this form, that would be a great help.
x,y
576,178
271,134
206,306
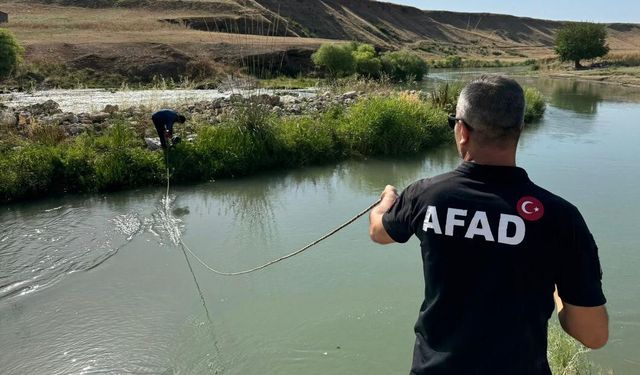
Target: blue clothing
x,y
166,118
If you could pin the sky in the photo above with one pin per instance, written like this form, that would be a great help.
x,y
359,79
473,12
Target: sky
x,y
607,11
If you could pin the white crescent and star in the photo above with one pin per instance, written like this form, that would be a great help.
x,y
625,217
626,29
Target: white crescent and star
x,y
524,207
530,208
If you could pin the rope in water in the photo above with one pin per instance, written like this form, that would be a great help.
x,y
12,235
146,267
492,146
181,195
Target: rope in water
x,y
359,215
272,262
218,370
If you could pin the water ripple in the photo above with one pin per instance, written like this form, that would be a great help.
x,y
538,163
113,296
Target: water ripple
x,y
37,250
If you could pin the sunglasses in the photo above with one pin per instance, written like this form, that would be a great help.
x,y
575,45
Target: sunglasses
x,y
453,119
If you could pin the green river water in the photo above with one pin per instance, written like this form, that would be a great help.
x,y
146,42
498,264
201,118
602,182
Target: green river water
x,y
96,284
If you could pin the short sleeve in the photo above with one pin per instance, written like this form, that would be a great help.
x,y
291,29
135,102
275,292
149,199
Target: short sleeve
x,y
580,279
397,221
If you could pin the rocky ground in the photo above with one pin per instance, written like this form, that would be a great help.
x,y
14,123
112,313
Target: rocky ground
x,y
48,114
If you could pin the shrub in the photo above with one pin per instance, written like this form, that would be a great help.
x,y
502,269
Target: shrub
x,y
227,150
535,105
336,59
123,163
366,61
391,126
48,135
445,96
10,53
404,65
120,169
244,143
453,61
8,179
32,170
307,140
79,167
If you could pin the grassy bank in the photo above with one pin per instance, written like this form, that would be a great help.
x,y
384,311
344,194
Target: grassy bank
x,y
252,139
614,68
456,62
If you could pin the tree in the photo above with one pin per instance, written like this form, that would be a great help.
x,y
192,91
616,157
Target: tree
x,y
337,59
367,62
453,61
10,53
581,40
404,64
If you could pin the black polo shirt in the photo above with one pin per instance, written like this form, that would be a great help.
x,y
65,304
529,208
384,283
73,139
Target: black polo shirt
x,y
494,245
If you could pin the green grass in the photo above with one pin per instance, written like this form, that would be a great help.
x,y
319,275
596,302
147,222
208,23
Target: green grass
x,y
535,105
284,82
87,163
392,126
446,95
250,141
567,356
454,62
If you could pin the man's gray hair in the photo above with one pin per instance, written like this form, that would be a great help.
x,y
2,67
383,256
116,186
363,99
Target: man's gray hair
x,y
494,105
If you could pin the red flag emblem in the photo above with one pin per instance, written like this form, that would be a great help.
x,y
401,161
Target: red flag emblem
x,y
530,208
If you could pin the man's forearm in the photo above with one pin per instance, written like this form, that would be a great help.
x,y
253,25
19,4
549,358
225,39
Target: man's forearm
x,y
589,325
376,228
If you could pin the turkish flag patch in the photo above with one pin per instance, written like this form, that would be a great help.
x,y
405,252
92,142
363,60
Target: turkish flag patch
x,y
530,208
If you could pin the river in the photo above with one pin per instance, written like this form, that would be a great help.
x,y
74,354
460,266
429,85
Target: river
x,y
96,283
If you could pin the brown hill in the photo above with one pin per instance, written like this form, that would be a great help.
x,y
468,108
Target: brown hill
x,y
384,24
127,36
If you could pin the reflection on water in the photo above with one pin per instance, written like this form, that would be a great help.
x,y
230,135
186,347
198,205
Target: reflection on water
x,y
367,177
579,97
252,206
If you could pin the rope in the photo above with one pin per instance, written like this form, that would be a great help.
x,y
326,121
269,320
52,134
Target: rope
x,y
205,265
272,262
195,279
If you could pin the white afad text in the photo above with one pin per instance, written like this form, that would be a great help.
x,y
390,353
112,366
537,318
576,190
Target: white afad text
x,y
478,225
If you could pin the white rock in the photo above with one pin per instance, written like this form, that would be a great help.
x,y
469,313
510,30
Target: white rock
x,y
8,118
350,95
153,143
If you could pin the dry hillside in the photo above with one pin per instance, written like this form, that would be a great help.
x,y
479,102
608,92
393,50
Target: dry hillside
x,y
144,38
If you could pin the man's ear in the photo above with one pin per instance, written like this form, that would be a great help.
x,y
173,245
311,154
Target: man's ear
x,y
464,134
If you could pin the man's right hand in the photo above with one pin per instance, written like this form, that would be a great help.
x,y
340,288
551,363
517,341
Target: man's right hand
x,y
387,198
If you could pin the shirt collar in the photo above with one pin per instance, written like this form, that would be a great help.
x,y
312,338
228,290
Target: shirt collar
x,y
492,172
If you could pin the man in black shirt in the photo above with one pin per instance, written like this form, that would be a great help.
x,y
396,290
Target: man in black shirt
x,y
495,247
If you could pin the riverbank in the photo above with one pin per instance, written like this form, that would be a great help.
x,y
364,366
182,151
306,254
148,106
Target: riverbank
x,y
250,138
46,151
613,69
623,76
